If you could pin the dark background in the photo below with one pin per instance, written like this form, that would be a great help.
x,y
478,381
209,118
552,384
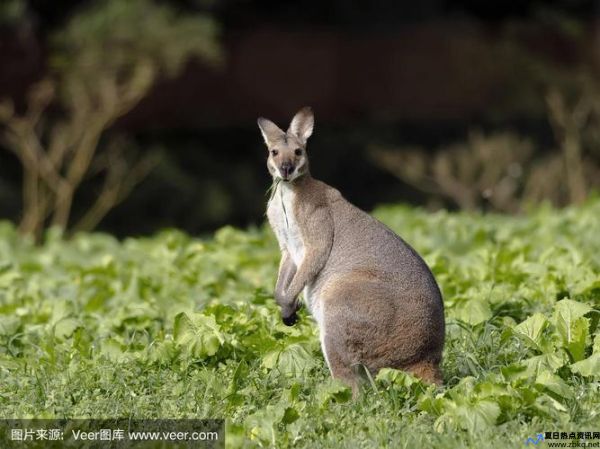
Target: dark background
x,y
386,73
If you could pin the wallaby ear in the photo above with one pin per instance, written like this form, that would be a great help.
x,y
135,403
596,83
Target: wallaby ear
x,y
269,130
303,123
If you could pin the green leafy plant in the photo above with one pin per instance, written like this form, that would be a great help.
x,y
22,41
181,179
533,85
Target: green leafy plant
x,y
174,326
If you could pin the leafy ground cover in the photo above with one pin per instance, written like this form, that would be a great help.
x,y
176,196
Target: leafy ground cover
x,y
172,326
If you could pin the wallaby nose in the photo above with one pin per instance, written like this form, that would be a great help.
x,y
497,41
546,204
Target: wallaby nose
x,y
286,168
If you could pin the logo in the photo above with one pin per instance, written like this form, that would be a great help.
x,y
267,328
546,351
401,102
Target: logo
x,y
540,437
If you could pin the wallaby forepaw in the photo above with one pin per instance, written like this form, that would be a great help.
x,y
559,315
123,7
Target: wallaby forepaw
x,y
288,312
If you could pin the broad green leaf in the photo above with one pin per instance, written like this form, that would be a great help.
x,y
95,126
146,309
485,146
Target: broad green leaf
x,y
405,384
292,360
536,365
262,425
572,326
112,349
9,324
163,351
514,371
578,338
575,337
472,417
589,366
555,384
198,335
290,415
432,405
333,390
390,376
571,310
547,405
65,327
532,329
473,311
9,277
567,311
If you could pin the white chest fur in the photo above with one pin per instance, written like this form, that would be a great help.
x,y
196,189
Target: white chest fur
x,y
283,221
280,212
285,225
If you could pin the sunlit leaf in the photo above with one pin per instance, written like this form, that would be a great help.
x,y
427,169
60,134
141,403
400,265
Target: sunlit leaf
x,y
532,329
199,335
588,367
292,360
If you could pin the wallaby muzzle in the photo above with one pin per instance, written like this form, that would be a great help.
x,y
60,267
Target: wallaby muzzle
x,y
286,169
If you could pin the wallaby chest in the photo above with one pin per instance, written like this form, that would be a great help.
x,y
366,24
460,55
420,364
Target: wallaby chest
x,y
281,212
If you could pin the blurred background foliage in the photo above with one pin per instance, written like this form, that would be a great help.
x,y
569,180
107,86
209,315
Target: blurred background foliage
x,y
134,115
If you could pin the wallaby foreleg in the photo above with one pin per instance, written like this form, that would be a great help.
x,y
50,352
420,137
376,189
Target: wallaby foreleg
x,y
316,251
287,270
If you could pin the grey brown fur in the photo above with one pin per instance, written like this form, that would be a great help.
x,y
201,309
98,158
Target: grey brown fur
x,y
375,300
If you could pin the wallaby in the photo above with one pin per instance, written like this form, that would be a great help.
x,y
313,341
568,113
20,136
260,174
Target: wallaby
x,y
375,300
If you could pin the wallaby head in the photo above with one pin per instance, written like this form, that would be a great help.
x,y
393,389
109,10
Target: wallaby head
x,y
287,150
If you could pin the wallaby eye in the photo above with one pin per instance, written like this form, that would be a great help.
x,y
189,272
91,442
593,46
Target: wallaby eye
x,y
274,152
298,152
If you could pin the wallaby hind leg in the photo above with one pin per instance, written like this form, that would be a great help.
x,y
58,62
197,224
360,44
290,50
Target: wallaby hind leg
x,y
338,365
377,333
344,362
426,370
